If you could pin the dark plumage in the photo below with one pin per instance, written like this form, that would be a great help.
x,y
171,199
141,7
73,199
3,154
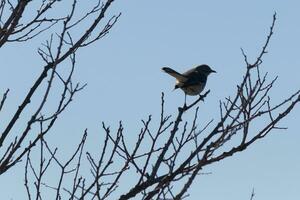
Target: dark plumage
x,y
193,81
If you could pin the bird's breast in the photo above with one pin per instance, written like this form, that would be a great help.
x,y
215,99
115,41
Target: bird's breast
x,y
194,89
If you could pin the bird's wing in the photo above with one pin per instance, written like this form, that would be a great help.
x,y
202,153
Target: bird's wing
x,y
172,72
194,78
190,72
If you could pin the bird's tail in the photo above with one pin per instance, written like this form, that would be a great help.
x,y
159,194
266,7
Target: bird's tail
x,y
173,73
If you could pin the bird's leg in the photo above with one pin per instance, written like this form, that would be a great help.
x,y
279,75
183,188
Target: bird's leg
x,y
184,100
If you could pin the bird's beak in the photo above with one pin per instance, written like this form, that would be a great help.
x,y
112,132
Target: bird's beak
x,y
213,71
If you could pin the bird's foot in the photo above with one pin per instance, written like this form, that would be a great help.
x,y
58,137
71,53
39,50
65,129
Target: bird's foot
x,y
201,97
184,106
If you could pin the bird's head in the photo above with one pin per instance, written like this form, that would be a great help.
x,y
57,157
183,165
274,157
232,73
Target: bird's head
x,y
205,69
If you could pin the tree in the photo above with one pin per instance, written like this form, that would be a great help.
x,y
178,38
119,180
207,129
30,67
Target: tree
x,y
177,150
61,45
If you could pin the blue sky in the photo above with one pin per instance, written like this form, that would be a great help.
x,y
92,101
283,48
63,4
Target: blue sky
x,y
124,77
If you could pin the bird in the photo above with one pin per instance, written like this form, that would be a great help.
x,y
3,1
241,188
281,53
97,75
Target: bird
x,y
193,81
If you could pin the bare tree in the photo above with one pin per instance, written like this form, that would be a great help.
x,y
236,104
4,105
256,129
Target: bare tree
x,y
176,151
62,45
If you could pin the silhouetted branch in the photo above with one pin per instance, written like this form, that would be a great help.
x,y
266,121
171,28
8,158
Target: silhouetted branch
x,y
57,48
252,195
3,99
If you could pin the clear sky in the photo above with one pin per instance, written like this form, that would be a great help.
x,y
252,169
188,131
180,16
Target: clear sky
x,y
124,77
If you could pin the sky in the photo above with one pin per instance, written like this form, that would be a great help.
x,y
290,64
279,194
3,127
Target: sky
x,y
125,81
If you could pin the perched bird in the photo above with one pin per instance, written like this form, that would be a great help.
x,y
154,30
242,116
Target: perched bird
x,y
193,81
